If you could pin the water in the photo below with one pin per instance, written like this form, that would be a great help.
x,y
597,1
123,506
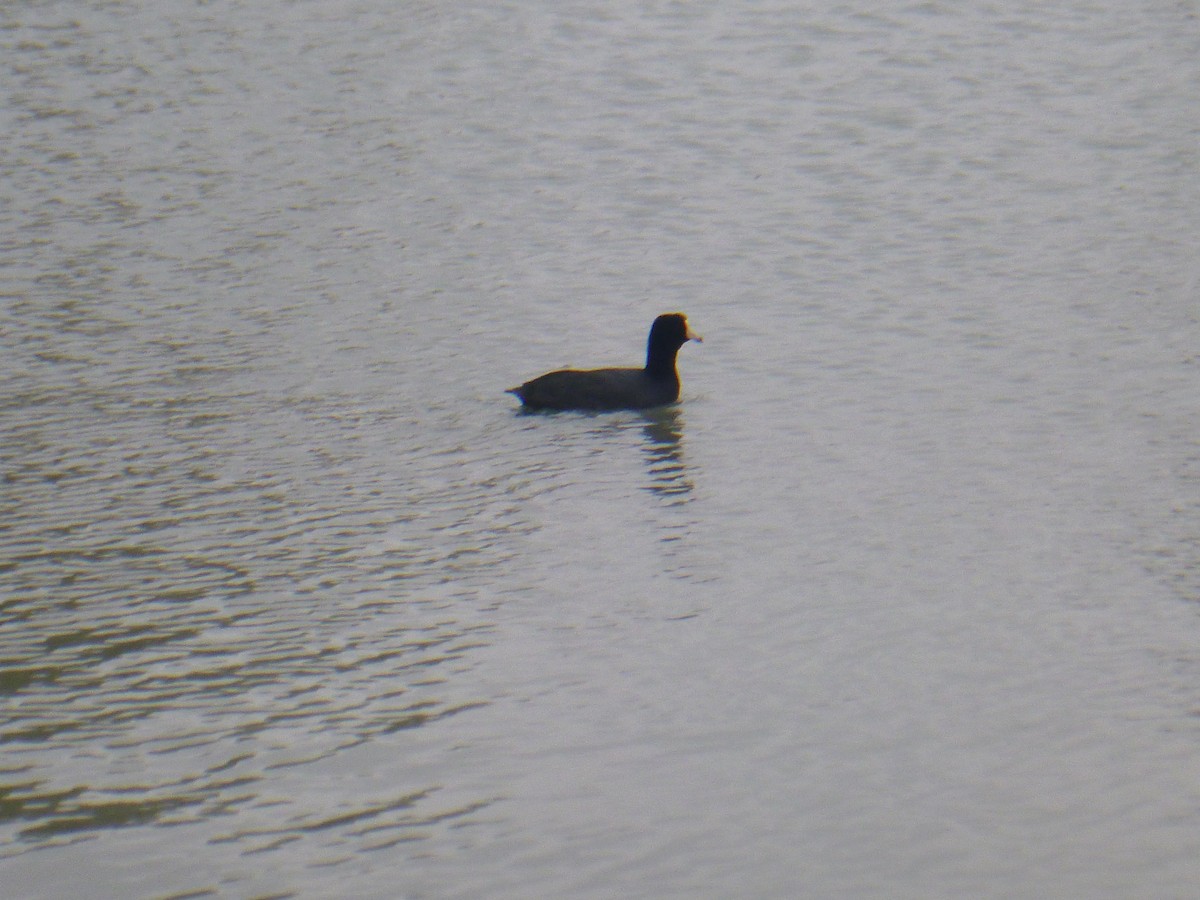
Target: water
x,y
899,601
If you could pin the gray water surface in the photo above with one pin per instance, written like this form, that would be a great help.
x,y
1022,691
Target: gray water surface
x,y
901,600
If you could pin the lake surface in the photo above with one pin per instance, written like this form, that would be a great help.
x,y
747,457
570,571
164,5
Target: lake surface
x,y
902,599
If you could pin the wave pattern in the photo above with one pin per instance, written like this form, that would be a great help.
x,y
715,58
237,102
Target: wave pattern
x,y
198,607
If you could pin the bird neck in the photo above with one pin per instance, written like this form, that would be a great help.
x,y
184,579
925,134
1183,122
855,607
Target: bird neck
x,y
660,362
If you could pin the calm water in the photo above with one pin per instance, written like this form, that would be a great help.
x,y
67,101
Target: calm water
x,y
901,600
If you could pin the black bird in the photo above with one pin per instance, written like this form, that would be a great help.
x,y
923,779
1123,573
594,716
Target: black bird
x,y
600,389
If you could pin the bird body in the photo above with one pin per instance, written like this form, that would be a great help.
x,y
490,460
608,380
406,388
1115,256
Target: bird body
x,y
657,384
598,389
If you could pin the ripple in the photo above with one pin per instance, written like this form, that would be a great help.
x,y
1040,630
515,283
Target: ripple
x,y
217,609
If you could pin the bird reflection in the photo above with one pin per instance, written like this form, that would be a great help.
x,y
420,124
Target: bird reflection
x,y
663,429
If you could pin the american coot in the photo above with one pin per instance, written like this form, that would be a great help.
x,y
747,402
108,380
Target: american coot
x,y
599,389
